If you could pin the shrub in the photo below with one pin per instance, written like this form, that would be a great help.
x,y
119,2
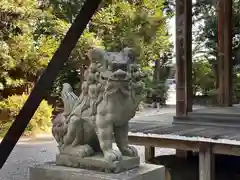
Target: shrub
x,y
203,76
236,88
10,107
156,91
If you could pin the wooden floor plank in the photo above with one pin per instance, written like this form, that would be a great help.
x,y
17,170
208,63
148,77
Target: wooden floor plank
x,y
141,127
191,130
228,133
235,136
157,128
208,132
162,124
168,130
188,131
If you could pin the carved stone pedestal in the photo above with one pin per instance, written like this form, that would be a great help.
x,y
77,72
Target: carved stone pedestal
x,y
97,162
52,172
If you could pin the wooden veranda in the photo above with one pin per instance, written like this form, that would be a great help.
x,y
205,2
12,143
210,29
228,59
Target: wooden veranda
x,y
208,131
186,131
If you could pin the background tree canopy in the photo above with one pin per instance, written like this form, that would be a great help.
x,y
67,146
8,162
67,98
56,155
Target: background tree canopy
x,y
31,31
206,39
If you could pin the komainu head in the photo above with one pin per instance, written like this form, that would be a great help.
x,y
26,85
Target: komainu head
x,y
115,65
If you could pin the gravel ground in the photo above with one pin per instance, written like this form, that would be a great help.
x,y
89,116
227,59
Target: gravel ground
x,y
31,152
25,155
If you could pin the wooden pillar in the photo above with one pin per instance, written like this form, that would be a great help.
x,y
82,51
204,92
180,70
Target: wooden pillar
x,y
181,154
206,163
220,58
180,69
224,9
228,53
188,53
149,153
183,57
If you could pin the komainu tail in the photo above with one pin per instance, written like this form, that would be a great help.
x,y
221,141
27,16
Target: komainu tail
x,y
68,98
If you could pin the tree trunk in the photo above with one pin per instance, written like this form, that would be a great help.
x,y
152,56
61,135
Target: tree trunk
x,y
156,71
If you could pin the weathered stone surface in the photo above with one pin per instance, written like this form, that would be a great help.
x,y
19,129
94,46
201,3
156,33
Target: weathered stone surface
x,y
97,162
111,92
53,172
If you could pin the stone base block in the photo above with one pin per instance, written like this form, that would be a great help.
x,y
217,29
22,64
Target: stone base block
x,y
50,171
97,163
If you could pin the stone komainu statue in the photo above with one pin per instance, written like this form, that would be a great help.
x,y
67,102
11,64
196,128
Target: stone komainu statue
x,y
111,93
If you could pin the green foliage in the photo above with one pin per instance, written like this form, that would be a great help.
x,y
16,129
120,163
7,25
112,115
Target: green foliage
x,y
236,88
72,72
203,77
4,128
206,39
140,25
30,35
11,106
117,24
31,31
154,90
66,10
207,32
25,47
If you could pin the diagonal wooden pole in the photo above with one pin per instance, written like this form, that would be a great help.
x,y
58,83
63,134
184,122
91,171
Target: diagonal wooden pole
x,y
47,78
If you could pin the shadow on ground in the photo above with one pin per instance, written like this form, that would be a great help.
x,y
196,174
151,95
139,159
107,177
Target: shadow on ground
x,y
187,169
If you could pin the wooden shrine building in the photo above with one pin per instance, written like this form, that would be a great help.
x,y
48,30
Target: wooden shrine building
x,y
208,131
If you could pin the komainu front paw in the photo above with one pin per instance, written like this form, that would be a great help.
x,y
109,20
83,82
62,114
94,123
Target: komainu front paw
x,y
67,139
130,151
112,156
78,151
